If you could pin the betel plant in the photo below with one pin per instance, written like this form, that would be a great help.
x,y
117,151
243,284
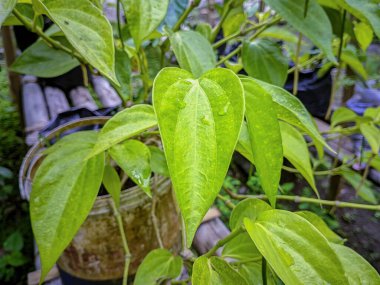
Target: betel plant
x,y
203,115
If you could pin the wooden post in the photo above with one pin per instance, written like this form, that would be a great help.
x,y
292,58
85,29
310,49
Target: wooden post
x,y
14,78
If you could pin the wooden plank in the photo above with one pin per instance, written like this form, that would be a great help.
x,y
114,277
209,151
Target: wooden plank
x,y
107,95
34,107
81,97
56,101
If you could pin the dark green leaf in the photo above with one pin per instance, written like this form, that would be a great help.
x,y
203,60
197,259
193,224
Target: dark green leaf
x,y
14,242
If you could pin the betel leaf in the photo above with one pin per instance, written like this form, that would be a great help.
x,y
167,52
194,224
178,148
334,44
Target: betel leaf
x,y
353,61
372,135
252,272
134,158
290,109
242,248
112,183
199,121
64,190
123,74
157,266
316,25
373,113
234,20
215,271
263,60
193,52
297,152
342,115
6,7
43,61
295,249
243,145
321,226
363,34
281,33
14,242
175,11
249,208
125,124
158,161
359,271
87,30
144,17
366,191
265,137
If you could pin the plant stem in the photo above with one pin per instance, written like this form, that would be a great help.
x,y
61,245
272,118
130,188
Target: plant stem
x,y
365,173
264,270
306,63
299,199
226,201
217,28
223,241
324,172
124,241
296,63
185,14
119,23
50,41
84,73
334,88
231,54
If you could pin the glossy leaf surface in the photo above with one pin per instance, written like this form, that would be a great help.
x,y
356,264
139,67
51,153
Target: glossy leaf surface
x,y
87,30
125,124
43,61
193,52
134,158
316,25
199,122
64,191
296,250
263,60
158,265
144,17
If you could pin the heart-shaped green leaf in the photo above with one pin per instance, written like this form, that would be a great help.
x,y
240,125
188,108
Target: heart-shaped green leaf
x,y
199,121
64,190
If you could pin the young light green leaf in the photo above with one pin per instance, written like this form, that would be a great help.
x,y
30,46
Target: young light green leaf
x,y
372,135
241,248
158,161
215,271
234,20
199,122
6,7
193,52
290,109
88,31
123,74
249,208
134,158
263,60
352,60
358,270
112,183
144,17
205,30
342,115
363,34
321,226
43,61
295,249
125,124
296,151
64,191
316,25
265,137
282,33
157,266
373,113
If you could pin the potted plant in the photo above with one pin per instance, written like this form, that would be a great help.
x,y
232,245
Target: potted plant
x,y
203,115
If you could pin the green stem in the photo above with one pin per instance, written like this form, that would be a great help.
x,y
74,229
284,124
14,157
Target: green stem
x,y
264,270
296,63
85,75
124,241
306,63
191,7
226,201
223,241
231,54
299,199
365,173
318,173
217,28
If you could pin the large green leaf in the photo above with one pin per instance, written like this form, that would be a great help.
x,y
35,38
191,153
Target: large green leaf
x,y
125,124
43,61
295,249
157,266
321,226
6,7
134,158
290,109
144,17
263,60
199,122
297,152
265,137
193,52
112,183
249,208
88,31
215,271
358,270
64,191
372,135
316,25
